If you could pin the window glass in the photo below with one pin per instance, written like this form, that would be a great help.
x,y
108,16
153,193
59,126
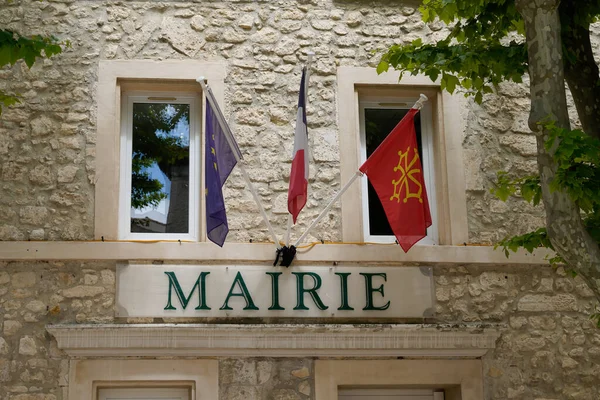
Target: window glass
x,y
379,122
160,168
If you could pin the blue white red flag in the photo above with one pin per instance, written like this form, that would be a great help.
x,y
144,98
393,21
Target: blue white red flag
x,y
298,189
219,161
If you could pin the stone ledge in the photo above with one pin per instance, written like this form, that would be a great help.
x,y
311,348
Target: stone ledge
x,y
265,252
272,340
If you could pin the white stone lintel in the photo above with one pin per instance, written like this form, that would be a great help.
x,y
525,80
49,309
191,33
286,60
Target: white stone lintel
x,y
272,340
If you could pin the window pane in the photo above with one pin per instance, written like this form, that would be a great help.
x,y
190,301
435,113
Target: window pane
x,y
379,122
160,169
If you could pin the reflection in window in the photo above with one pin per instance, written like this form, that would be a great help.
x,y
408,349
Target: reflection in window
x,y
160,168
379,122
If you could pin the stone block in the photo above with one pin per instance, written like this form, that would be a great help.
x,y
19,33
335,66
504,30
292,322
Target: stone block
x,y
4,370
42,126
37,234
23,279
11,327
27,346
83,291
235,392
33,215
301,373
42,175
285,394
4,349
12,171
542,302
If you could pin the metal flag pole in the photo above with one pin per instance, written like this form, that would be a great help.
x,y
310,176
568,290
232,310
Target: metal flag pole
x,y
309,59
418,105
229,136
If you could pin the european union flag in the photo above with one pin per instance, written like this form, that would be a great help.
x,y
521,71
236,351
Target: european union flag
x,y
219,161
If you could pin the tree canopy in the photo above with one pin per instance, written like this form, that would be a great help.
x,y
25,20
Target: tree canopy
x,y
491,41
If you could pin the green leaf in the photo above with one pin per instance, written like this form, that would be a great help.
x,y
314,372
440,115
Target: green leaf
x,y
382,67
451,82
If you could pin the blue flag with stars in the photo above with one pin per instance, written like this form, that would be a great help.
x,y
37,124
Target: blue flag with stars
x,y
219,161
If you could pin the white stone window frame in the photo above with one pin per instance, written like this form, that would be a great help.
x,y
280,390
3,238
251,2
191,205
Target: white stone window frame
x,y
448,126
116,77
199,377
390,102
170,393
194,101
460,379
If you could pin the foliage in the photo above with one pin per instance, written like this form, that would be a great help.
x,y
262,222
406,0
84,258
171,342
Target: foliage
x,y
14,47
476,55
484,47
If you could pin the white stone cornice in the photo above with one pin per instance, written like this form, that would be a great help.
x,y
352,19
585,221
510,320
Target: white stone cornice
x,y
269,340
262,252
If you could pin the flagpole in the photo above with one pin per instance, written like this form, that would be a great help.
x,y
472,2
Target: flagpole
x,y
201,80
309,59
331,203
418,105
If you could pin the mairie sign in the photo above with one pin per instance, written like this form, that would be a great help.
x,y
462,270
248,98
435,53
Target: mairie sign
x,y
259,291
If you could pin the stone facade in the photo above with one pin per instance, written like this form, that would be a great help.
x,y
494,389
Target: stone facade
x,y
548,348
47,143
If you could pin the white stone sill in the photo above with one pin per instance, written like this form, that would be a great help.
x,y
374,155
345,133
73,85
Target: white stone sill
x,y
272,340
265,252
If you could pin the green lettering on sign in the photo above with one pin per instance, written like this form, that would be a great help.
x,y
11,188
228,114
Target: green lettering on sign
x,y
300,290
239,280
184,300
370,290
275,290
344,290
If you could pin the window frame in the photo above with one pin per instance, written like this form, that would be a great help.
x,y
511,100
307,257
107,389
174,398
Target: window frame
x,y
115,77
427,162
195,171
449,124
127,392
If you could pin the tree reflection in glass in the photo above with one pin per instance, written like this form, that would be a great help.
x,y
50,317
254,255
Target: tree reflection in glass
x,y
160,168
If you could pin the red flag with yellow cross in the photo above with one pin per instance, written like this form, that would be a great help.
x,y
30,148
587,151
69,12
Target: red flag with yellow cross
x,y
394,169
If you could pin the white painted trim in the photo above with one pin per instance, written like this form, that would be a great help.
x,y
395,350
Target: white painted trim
x,y
462,379
427,162
271,340
144,393
200,377
450,183
263,252
134,75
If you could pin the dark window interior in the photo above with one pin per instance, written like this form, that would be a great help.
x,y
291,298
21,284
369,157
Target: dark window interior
x,y
379,122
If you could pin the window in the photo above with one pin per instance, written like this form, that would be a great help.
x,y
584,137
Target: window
x,y
403,379
369,106
144,394
160,379
378,116
160,173
163,187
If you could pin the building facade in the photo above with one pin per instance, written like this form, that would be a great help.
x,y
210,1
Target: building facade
x,y
101,302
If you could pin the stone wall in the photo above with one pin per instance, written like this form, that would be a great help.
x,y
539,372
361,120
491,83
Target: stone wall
x,y
47,143
548,348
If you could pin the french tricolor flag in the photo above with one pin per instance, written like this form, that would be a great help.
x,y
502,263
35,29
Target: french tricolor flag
x,y
298,189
